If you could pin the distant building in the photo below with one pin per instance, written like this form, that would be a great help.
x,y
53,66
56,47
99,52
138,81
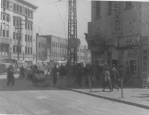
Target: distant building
x,y
16,29
57,49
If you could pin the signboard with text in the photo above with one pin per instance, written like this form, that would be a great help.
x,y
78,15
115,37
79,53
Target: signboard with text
x,y
116,19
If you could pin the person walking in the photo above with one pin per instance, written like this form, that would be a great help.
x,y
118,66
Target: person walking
x,y
55,72
106,80
114,78
10,76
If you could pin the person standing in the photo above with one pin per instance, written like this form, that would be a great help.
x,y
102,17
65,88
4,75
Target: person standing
x,y
106,80
114,77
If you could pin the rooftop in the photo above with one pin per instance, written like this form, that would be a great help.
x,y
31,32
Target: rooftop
x,y
27,3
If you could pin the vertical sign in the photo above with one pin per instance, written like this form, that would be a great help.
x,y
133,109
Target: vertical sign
x,y
144,61
116,19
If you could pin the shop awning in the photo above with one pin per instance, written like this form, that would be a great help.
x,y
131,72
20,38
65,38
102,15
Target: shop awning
x,y
95,43
127,42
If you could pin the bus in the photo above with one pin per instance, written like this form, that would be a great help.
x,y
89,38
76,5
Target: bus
x,y
8,62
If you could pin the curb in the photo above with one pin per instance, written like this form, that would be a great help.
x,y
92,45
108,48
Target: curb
x,y
107,98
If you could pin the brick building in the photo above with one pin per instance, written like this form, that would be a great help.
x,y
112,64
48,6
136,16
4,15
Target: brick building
x,y
118,34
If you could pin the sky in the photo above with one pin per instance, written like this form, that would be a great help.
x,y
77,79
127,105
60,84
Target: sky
x,y
51,17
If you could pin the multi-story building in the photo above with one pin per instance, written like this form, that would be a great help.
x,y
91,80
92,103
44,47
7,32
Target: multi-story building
x,y
118,34
57,48
16,30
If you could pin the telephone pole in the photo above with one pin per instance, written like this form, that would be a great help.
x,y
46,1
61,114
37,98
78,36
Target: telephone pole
x,y
19,28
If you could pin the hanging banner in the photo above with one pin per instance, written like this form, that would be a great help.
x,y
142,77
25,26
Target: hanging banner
x,y
116,19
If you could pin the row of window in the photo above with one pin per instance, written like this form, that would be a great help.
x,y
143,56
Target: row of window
x,y
16,36
59,45
129,5
42,45
4,33
5,17
58,54
28,50
17,8
17,22
17,49
28,38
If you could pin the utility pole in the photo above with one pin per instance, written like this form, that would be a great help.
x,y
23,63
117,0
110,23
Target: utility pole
x,y
19,28
36,47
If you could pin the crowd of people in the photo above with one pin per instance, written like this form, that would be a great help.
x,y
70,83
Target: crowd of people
x,y
108,76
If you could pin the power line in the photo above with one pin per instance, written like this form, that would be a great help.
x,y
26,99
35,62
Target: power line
x,y
44,17
61,18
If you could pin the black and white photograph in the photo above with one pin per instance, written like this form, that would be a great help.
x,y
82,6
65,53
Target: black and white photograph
x,y
74,57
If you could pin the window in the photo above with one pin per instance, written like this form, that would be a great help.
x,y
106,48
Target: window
x,y
25,11
3,16
7,33
13,35
8,4
13,20
25,50
14,7
14,49
31,26
28,38
3,33
8,18
21,9
31,50
98,9
28,25
28,14
4,3
17,36
110,7
31,38
129,5
25,37
31,14
28,51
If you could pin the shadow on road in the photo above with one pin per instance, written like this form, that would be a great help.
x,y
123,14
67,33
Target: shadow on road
x,y
23,84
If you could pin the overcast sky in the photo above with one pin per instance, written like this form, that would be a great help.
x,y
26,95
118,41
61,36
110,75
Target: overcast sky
x,y
51,17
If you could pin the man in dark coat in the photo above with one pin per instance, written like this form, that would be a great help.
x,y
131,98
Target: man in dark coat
x,y
114,77
55,72
10,76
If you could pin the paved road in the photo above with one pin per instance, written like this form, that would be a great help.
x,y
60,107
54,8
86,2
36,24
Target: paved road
x,y
23,98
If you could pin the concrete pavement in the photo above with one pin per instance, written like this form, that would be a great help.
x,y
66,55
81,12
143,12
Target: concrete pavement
x,y
132,96
24,98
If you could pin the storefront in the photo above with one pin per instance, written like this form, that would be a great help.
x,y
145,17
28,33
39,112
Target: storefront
x,y
134,55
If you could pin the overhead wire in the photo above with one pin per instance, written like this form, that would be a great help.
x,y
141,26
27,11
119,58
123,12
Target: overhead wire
x,y
61,18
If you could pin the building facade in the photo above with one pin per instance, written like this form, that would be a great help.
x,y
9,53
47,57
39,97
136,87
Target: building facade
x,y
16,30
118,34
57,49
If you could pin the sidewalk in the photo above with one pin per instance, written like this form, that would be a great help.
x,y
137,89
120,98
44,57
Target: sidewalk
x,y
132,96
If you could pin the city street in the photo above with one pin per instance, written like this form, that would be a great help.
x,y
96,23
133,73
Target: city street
x,y
24,98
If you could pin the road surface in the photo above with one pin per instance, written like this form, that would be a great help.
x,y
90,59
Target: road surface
x,y
23,98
